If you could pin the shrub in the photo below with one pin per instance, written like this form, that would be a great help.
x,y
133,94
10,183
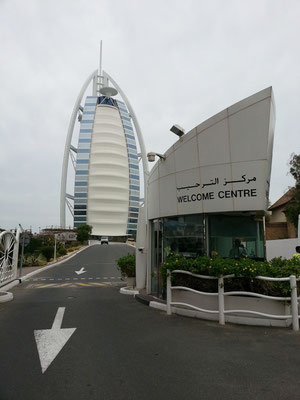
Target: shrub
x,y
126,265
47,251
41,260
70,249
62,251
244,271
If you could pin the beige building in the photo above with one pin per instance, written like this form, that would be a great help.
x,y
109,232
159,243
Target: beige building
x,y
209,191
277,226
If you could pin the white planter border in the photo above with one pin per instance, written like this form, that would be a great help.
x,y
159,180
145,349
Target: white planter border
x,y
260,318
5,296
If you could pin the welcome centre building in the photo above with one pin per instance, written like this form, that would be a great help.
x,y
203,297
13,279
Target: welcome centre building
x,y
209,192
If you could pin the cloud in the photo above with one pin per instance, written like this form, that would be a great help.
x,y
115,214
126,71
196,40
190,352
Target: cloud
x,y
178,62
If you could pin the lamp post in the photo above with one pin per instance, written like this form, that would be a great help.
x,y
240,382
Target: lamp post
x,y
54,247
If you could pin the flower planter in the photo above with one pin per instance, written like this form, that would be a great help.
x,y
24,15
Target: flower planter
x,y
130,281
207,302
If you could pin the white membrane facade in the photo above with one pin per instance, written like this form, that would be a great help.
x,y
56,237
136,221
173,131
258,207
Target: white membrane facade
x,y
108,184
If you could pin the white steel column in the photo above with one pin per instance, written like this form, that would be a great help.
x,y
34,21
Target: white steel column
x,y
64,173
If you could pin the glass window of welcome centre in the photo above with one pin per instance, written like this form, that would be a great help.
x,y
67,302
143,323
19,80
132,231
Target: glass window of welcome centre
x,y
184,235
236,236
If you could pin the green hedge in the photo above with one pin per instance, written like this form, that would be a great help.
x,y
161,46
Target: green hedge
x,y
244,271
126,265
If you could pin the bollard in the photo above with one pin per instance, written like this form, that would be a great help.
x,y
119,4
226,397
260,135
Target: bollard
x,y
169,293
294,303
221,300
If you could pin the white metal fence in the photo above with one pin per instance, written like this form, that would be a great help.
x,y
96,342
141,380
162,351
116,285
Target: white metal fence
x,y
9,247
221,294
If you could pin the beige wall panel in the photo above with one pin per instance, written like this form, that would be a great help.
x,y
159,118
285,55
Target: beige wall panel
x,y
214,144
218,163
249,131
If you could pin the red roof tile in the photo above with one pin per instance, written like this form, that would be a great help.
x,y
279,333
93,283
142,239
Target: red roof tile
x,y
284,199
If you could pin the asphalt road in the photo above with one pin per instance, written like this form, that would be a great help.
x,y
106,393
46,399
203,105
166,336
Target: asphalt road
x,y
122,349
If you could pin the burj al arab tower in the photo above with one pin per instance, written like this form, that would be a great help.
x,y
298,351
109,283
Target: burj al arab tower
x,y
106,160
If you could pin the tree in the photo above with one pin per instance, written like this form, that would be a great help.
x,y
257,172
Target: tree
x,y
295,167
34,245
83,232
293,208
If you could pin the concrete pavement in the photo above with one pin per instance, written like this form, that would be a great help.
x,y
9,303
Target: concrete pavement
x,y
124,350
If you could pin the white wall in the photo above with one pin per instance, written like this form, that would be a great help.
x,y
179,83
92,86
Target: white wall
x,y
221,165
284,248
278,215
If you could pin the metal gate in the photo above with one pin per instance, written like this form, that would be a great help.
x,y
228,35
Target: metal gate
x,y
9,247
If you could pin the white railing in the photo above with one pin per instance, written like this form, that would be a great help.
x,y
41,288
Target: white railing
x,y
221,294
9,246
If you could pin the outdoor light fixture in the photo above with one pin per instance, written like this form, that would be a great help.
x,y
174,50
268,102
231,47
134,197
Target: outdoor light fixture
x,y
151,156
178,130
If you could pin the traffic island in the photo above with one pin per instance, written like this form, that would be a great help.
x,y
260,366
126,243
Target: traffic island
x,y
5,296
129,290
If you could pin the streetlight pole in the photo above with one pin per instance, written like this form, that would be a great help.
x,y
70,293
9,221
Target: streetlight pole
x,y
54,247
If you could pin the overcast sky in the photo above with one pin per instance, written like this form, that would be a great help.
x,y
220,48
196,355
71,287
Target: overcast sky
x,y
177,61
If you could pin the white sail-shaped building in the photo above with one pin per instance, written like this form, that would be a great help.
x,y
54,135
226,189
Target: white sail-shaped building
x,y
106,194
107,178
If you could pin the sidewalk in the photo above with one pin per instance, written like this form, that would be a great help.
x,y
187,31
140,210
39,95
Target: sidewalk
x,y
27,270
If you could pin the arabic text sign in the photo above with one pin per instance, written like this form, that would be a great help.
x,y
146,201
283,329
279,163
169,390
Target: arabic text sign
x,y
216,182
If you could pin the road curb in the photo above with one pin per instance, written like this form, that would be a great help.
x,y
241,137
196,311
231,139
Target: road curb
x,y
142,299
151,301
158,306
129,291
5,296
10,285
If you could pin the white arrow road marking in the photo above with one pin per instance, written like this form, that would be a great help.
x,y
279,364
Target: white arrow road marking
x,y
81,271
50,341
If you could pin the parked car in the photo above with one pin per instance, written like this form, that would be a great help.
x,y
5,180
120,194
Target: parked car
x,y
104,240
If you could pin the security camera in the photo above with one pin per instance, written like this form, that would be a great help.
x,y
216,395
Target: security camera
x,y
178,130
151,157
